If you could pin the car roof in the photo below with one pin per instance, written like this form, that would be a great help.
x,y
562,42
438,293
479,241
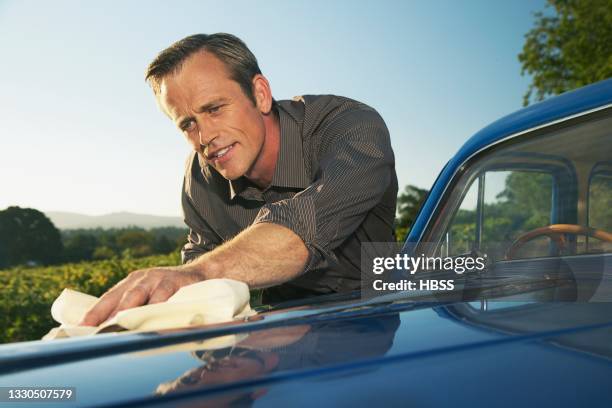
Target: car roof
x,y
549,111
562,106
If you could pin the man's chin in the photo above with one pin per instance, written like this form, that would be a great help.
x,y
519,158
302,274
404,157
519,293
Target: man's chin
x,y
229,175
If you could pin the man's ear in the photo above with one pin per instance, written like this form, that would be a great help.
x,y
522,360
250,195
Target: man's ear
x,y
262,93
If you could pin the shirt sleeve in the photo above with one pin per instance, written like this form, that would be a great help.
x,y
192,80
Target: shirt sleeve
x,y
355,168
201,237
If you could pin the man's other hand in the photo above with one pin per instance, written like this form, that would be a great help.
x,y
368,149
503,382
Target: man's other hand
x,y
141,287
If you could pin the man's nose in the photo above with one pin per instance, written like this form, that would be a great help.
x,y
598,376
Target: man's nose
x,y
207,135
201,138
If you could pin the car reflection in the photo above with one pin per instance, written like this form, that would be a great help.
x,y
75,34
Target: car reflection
x,y
282,349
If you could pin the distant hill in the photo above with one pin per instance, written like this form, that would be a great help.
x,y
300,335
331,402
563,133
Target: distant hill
x,y
67,220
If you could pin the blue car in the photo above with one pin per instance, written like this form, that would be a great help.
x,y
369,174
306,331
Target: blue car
x,y
531,193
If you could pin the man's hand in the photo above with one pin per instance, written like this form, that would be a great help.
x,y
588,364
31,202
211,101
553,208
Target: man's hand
x,y
141,287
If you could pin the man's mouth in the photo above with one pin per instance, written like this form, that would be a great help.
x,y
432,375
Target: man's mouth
x,y
221,152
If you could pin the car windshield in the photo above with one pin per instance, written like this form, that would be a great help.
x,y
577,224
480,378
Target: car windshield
x,y
538,207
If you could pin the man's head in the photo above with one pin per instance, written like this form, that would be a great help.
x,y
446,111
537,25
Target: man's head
x,y
239,365
212,88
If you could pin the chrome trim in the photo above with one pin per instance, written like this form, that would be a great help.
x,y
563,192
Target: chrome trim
x,y
512,136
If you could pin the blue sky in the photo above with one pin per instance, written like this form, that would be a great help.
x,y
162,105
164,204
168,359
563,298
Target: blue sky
x,y
80,130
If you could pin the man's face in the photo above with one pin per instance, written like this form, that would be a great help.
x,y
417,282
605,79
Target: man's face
x,y
214,114
224,371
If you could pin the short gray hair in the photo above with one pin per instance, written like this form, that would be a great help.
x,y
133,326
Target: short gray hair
x,y
231,50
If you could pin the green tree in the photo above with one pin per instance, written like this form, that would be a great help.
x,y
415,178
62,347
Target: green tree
x,y
79,247
135,243
568,48
27,235
527,201
103,252
162,245
408,204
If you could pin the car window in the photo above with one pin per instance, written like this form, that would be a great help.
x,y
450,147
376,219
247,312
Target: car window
x,y
600,206
513,203
532,197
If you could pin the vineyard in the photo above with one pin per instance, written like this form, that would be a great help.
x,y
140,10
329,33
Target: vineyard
x,y
26,294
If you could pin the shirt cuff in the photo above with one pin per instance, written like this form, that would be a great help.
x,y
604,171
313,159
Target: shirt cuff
x,y
190,253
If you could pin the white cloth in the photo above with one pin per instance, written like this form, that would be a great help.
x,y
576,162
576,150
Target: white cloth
x,y
207,302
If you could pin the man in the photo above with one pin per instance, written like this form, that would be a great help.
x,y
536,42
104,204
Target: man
x,y
276,194
282,349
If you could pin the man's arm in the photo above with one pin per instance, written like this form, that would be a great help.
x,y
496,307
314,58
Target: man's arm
x,y
261,255
242,258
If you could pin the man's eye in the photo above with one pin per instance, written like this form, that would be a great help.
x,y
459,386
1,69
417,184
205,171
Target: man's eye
x,y
189,126
214,109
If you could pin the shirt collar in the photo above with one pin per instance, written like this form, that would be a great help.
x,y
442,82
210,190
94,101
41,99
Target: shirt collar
x,y
290,170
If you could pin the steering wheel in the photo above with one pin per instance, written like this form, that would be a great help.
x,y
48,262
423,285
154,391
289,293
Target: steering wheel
x,y
555,232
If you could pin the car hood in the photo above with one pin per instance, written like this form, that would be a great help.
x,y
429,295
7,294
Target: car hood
x,y
394,352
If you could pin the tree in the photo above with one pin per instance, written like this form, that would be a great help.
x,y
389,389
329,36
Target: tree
x,y
408,204
162,245
569,48
27,235
103,252
79,247
526,199
135,243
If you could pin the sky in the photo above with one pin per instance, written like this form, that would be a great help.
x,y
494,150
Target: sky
x,y
80,130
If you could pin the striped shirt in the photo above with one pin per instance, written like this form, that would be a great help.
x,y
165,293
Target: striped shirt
x,y
334,186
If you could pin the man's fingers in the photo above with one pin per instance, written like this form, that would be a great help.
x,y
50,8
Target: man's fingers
x,y
136,296
107,303
139,288
100,311
164,289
